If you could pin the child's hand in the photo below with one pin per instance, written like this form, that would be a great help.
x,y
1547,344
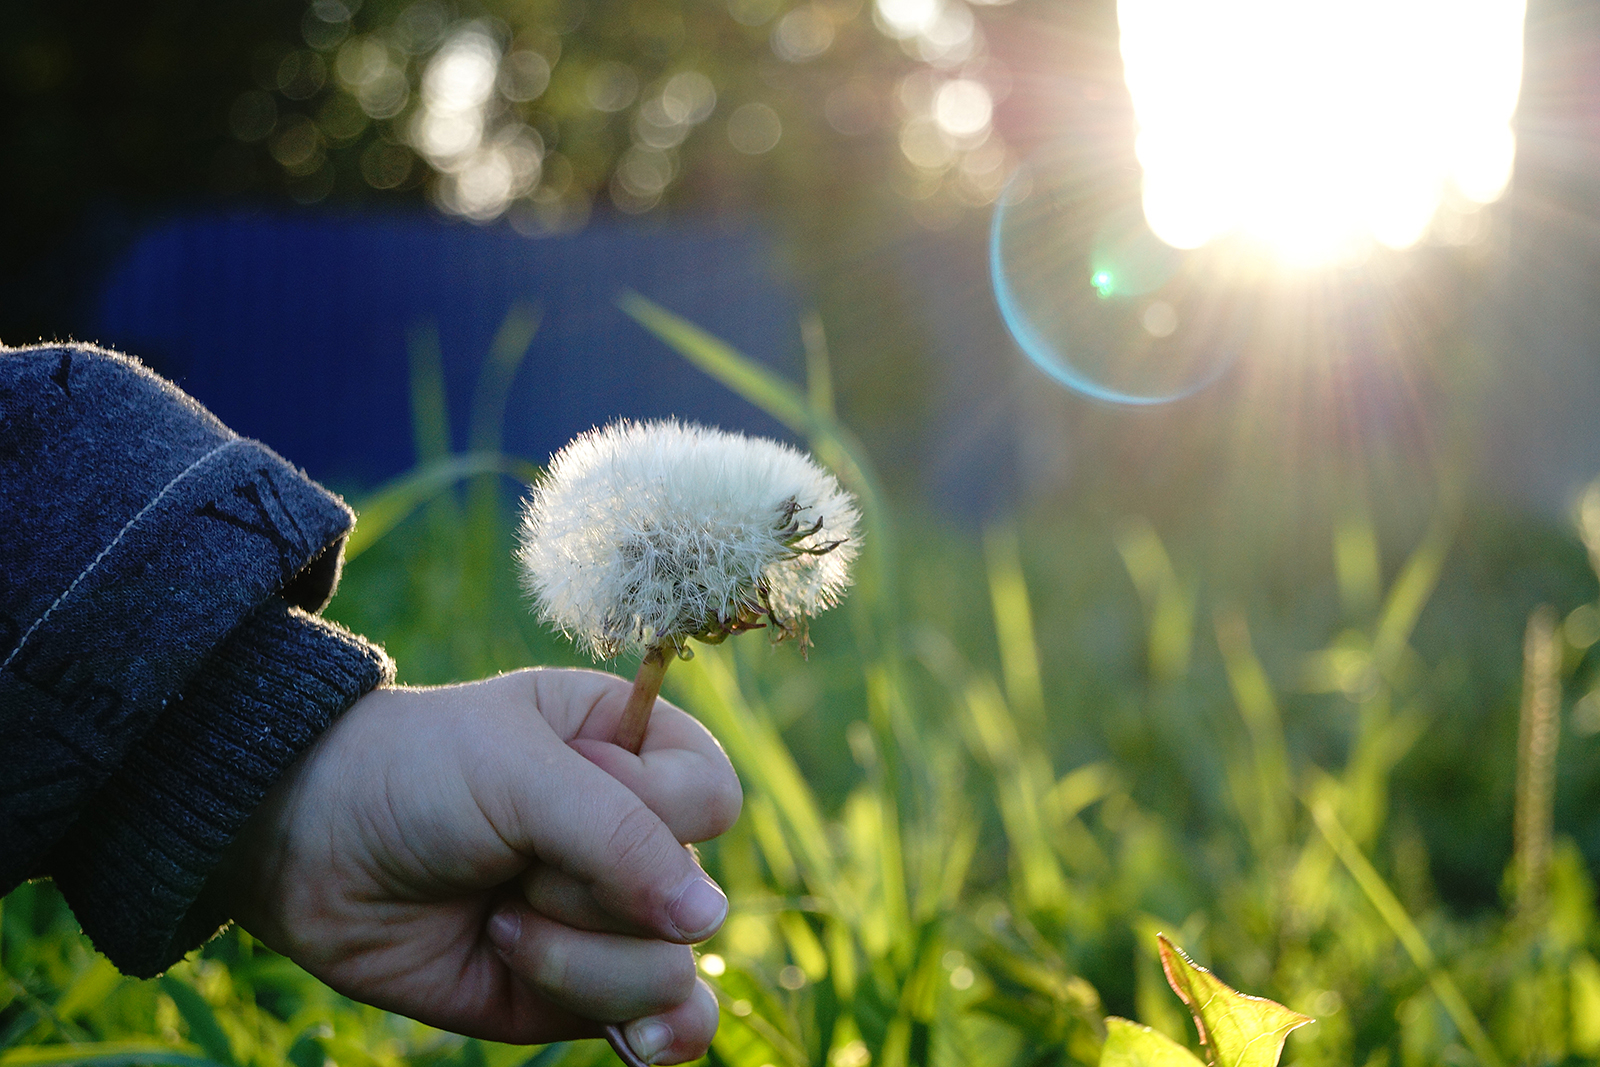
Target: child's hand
x,y
388,861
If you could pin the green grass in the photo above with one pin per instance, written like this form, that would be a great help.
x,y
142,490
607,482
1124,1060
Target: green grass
x,y
1010,761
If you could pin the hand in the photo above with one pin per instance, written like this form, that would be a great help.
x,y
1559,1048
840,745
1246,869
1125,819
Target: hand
x,y
481,858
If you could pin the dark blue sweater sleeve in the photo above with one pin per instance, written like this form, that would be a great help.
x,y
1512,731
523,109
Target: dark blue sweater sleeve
x,y
159,667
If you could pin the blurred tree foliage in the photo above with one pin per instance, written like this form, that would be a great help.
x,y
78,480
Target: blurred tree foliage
x,y
541,110
832,121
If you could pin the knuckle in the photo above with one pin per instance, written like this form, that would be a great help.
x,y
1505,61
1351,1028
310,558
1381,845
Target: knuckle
x,y
525,684
671,981
549,965
678,976
725,805
635,845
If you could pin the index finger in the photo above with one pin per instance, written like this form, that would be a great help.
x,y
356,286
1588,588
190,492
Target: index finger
x,y
681,772
589,825
587,704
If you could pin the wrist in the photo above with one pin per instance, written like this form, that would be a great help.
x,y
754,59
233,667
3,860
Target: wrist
x,y
137,864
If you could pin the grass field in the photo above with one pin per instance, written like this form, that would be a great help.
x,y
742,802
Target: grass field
x,y
1012,759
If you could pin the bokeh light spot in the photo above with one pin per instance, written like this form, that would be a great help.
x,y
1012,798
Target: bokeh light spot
x,y
753,12
385,165
963,107
754,129
1159,319
611,86
524,76
804,33
688,97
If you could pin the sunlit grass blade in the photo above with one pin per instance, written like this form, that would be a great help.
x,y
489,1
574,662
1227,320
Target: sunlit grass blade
x,y
759,754
738,372
204,1029
892,872
388,506
819,369
506,353
1169,603
92,985
1394,915
1356,562
1410,594
1020,794
430,415
1252,693
1013,625
104,1054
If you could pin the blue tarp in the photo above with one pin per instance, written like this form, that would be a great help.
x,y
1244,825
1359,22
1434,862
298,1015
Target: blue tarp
x,y
294,329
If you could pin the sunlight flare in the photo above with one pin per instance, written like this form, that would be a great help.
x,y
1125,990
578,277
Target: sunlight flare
x,y
1315,129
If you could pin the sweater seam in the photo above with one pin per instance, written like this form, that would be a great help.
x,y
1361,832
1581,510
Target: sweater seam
x,y
129,525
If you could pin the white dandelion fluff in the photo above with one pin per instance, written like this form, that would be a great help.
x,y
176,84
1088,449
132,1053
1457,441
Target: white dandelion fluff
x,y
641,535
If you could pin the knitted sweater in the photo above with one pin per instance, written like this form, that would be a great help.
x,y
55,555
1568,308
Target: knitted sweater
x,y
160,662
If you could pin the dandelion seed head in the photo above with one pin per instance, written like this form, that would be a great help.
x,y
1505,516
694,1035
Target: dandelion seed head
x,y
644,533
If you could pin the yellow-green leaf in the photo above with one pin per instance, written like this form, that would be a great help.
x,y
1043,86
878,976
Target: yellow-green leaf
x,y
1130,1045
1236,1030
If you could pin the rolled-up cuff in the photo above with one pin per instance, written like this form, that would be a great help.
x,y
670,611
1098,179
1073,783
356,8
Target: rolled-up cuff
x,y
134,863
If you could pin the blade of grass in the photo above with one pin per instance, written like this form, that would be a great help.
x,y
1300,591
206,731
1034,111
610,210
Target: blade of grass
x,y
819,370
1356,562
1168,603
204,1029
1020,794
1394,914
69,1030
482,549
90,987
388,506
506,353
1252,693
1013,625
430,417
104,1054
1410,593
760,755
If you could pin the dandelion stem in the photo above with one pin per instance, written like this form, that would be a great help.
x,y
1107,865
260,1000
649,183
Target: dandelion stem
x,y
642,700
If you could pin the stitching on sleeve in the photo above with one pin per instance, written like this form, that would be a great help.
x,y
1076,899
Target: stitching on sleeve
x,y
130,524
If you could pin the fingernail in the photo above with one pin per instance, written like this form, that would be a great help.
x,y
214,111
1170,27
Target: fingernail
x,y
698,910
505,926
648,1038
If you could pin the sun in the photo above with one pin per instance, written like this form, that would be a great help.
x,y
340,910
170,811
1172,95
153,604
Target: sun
x,y
1316,129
